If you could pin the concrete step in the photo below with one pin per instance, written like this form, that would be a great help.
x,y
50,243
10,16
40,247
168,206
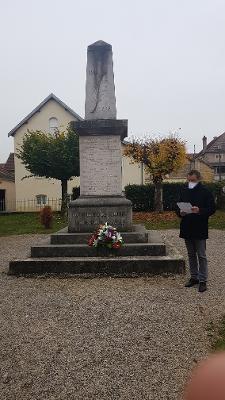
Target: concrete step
x,y
83,250
171,263
63,237
138,235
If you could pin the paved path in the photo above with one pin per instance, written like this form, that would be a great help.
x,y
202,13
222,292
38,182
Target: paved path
x,y
135,338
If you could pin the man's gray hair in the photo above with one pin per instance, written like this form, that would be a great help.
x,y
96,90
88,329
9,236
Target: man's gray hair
x,y
196,173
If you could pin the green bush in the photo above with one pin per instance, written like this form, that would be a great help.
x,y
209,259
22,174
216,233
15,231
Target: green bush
x,y
217,189
142,196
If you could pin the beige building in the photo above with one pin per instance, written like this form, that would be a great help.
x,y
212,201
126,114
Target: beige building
x,y
7,185
203,167
214,154
49,115
132,173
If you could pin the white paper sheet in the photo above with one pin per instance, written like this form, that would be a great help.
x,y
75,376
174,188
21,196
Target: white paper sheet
x,y
185,207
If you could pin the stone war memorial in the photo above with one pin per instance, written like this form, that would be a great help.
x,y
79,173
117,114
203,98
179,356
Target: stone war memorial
x,y
100,136
101,199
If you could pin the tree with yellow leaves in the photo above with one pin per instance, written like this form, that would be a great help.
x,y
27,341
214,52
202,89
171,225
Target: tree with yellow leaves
x,y
160,157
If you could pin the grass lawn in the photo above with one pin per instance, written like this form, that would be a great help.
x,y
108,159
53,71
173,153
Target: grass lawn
x,y
217,335
219,343
169,220
21,223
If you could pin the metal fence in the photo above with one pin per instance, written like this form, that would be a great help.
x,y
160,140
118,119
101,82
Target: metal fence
x,y
27,205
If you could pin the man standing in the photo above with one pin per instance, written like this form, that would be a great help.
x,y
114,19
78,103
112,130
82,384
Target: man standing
x,y
194,227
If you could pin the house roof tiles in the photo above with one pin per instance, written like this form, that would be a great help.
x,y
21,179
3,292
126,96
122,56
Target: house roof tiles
x,y
216,143
7,170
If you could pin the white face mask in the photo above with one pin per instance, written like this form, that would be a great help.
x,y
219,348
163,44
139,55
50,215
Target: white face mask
x,y
191,185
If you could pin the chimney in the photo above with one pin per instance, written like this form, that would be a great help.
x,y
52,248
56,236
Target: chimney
x,y
204,141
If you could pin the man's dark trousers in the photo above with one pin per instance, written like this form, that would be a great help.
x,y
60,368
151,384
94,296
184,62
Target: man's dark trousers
x,y
197,259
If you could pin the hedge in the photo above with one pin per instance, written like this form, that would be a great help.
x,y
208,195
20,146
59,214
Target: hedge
x,y
142,196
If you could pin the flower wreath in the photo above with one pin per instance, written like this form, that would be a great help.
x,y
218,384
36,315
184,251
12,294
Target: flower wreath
x,y
106,236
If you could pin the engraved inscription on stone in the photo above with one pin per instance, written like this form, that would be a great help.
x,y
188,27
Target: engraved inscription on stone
x,y
100,165
94,219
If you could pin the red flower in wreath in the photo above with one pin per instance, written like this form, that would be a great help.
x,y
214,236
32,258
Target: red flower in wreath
x,y
116,245
91,241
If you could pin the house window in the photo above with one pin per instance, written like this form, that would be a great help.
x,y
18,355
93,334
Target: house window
x,y
41,199
53,125
220,170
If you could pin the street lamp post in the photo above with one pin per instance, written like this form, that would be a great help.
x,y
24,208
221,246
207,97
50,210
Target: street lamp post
x,y
194,155
219,151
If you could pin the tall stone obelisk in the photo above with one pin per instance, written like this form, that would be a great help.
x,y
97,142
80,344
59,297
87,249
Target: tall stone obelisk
x,y
100,136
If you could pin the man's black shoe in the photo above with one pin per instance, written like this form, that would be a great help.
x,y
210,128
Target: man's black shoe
x,y
202,287
192,282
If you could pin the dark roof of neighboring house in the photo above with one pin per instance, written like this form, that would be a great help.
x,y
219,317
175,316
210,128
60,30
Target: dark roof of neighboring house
x,y
6,176
36,109
10,165
212,147
7,170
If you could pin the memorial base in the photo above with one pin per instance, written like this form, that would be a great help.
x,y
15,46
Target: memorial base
x,y
143,253
87,213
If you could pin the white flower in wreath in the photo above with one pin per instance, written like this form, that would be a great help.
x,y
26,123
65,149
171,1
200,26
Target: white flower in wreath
x,y
119,237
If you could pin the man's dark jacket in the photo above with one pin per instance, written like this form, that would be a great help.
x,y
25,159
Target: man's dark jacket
x,y
195,226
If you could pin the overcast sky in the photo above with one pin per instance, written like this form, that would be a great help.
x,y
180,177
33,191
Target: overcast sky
x,y
169,61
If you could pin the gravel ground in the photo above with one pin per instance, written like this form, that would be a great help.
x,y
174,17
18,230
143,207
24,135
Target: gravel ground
x,y
103,338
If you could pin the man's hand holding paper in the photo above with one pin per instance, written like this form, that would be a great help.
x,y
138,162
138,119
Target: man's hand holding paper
x,y
185,208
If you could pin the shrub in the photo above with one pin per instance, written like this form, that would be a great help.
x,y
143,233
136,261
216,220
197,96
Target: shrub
x,y
142,196
217,189
46,217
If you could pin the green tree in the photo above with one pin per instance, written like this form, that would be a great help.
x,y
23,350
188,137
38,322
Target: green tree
x,y
51,156
160,157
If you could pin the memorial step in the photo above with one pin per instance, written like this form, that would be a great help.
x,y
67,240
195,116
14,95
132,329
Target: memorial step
x,y
83,250
81,238
129,265
138,235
